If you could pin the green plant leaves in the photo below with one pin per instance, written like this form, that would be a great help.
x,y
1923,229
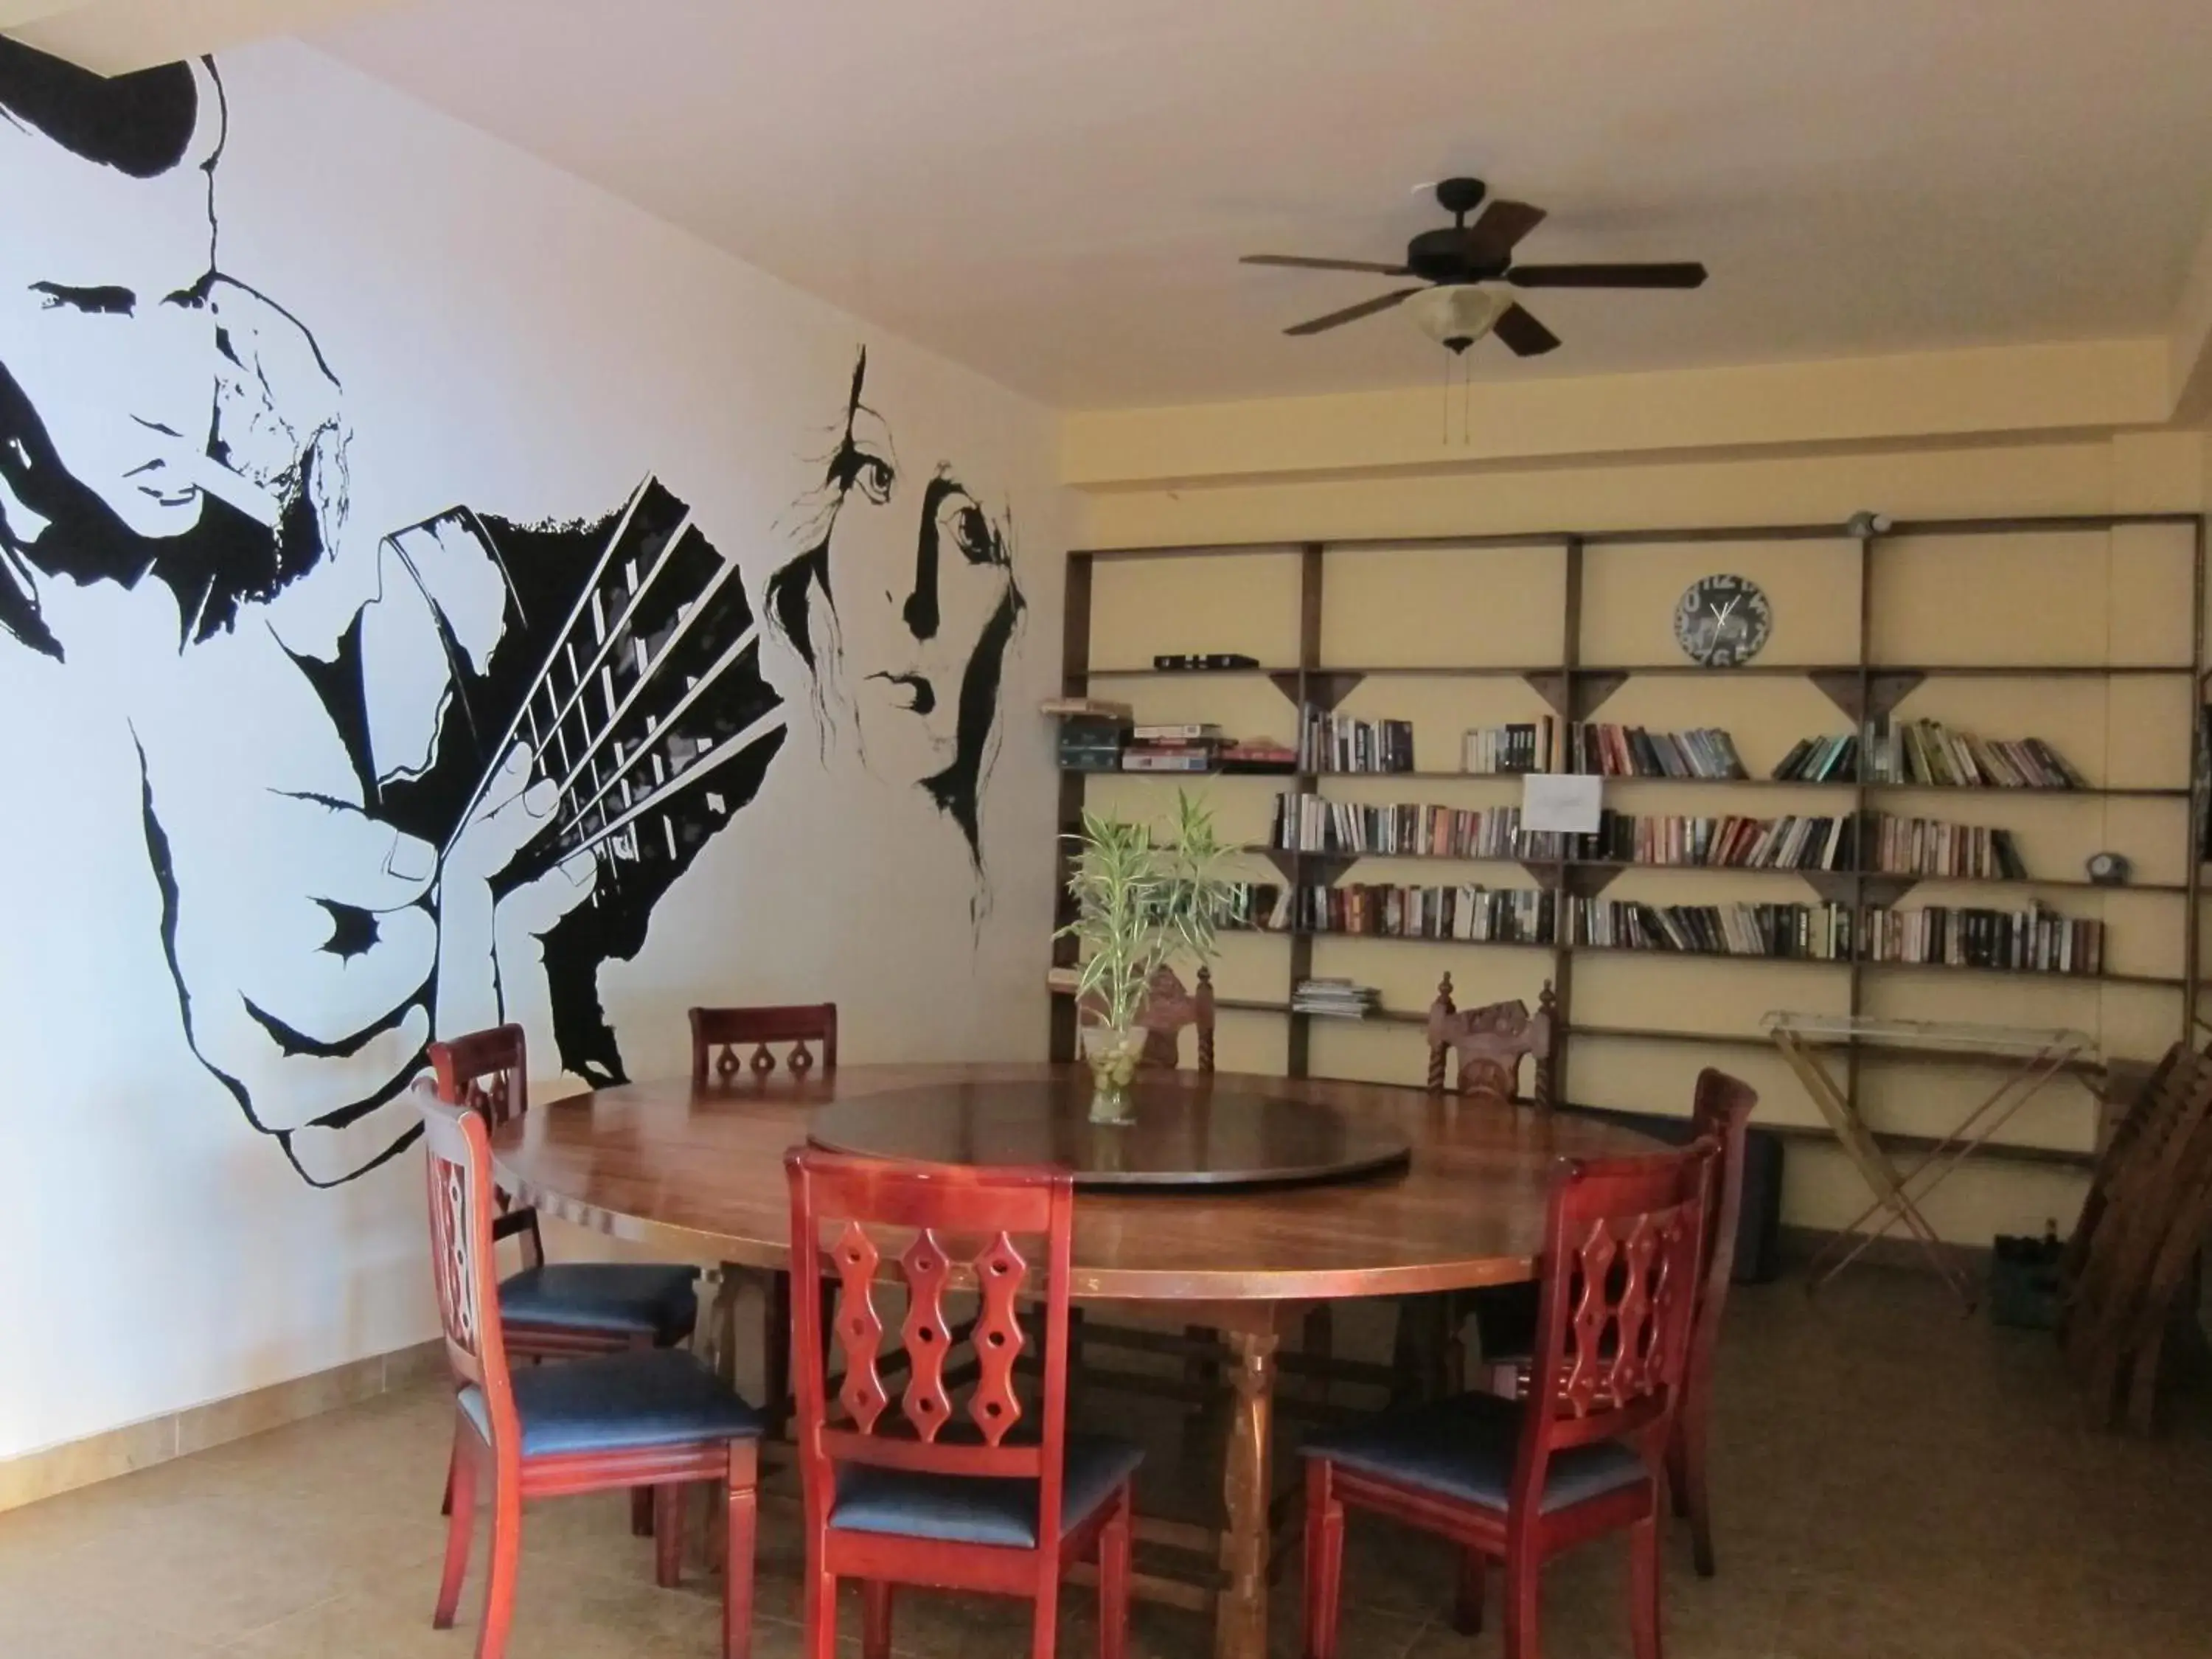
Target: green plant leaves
x,y
1139,905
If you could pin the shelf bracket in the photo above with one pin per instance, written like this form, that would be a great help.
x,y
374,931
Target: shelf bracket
x,y
1324,688
1883,689
1590,690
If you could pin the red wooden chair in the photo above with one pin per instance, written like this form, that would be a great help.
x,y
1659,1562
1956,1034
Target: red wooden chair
x,y
558,1310
554,1310
1721,1110
650,1421
915,1497
1582,1454
717,1038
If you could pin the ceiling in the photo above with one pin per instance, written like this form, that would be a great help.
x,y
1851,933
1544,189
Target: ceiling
x,y
1055,192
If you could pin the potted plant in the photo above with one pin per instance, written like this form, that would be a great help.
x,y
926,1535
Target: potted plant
x,y
1138,904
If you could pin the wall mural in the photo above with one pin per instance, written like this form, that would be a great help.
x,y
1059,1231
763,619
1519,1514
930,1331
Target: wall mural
x,y
926,712
532,728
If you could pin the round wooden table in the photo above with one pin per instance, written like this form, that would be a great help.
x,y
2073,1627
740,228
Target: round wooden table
x,y
698,1172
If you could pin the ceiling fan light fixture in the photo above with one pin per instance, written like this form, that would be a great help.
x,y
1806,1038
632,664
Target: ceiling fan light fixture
x,y
1457,314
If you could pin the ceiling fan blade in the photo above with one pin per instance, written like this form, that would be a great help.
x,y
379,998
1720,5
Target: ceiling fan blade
x,y
1353,313
1685,274
1523,335
1299,262
1502,224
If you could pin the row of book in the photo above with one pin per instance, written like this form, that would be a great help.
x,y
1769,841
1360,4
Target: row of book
x,y
1598,748
1894,845
2037,939
1818,932
1790,842
1930,754
1929,846
1315,824
1474,914
1192,746
1334,999
1329,742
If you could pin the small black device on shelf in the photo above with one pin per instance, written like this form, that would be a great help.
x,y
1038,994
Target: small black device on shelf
x,y
1194,662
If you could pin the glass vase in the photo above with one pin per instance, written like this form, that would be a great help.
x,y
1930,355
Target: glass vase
x,y
1111,1053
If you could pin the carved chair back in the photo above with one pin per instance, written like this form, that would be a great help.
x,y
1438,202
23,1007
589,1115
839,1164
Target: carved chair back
x,y
717,1034
1624,1244
1002,1234
487,1073
1168,1007
457,1165
1491,1042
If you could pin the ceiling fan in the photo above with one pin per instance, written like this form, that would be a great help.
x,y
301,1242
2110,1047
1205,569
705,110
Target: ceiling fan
x,y
1450,304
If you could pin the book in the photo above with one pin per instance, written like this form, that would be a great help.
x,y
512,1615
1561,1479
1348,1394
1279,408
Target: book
x,y
1329,742
1167,759
1201,732
1600,748
1088,708
1927,754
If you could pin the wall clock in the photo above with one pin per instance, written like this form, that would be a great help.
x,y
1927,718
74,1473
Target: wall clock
x,y
1723,622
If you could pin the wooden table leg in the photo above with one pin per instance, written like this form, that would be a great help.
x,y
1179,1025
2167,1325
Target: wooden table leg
x,y
1240,1624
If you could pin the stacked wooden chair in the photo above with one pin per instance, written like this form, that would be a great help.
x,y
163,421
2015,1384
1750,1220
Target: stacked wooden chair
x,y
2133,1254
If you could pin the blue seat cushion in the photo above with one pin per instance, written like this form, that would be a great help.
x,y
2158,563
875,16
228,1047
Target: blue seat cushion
x,y
974,1510
619,1403
1463,1447
622,1298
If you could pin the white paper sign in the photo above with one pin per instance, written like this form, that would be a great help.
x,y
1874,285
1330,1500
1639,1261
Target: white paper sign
x,y
1566,802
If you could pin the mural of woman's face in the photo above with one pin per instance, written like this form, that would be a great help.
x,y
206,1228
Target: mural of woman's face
x,y
904,606
105,325
928,571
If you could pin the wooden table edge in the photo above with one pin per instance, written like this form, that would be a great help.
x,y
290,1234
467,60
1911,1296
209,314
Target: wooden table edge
x,y
1158,1287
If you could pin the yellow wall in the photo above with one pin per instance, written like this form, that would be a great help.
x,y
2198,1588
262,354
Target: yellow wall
x,y
1231,475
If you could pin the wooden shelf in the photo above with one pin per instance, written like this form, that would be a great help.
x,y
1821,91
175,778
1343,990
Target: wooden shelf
x,y
2097,793
1596,670
1714,956
1859,688
1523,861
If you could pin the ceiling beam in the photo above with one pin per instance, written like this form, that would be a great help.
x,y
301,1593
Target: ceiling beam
x,y
114,37
1984,393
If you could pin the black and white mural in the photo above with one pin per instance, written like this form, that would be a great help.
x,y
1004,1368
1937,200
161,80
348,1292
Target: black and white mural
x,y
385,770
903,604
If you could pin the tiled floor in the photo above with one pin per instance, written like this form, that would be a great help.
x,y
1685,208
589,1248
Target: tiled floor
x,y
1892,1481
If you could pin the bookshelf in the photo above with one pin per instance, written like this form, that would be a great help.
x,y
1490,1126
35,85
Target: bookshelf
x,y
1970,620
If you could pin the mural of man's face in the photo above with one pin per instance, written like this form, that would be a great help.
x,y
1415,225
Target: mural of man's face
x,y
104,324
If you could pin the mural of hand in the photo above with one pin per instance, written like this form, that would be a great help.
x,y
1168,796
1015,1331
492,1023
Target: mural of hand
x,y
295,923
485,938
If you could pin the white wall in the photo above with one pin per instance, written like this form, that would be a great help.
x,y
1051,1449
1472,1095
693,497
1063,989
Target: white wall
x,y
508,338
